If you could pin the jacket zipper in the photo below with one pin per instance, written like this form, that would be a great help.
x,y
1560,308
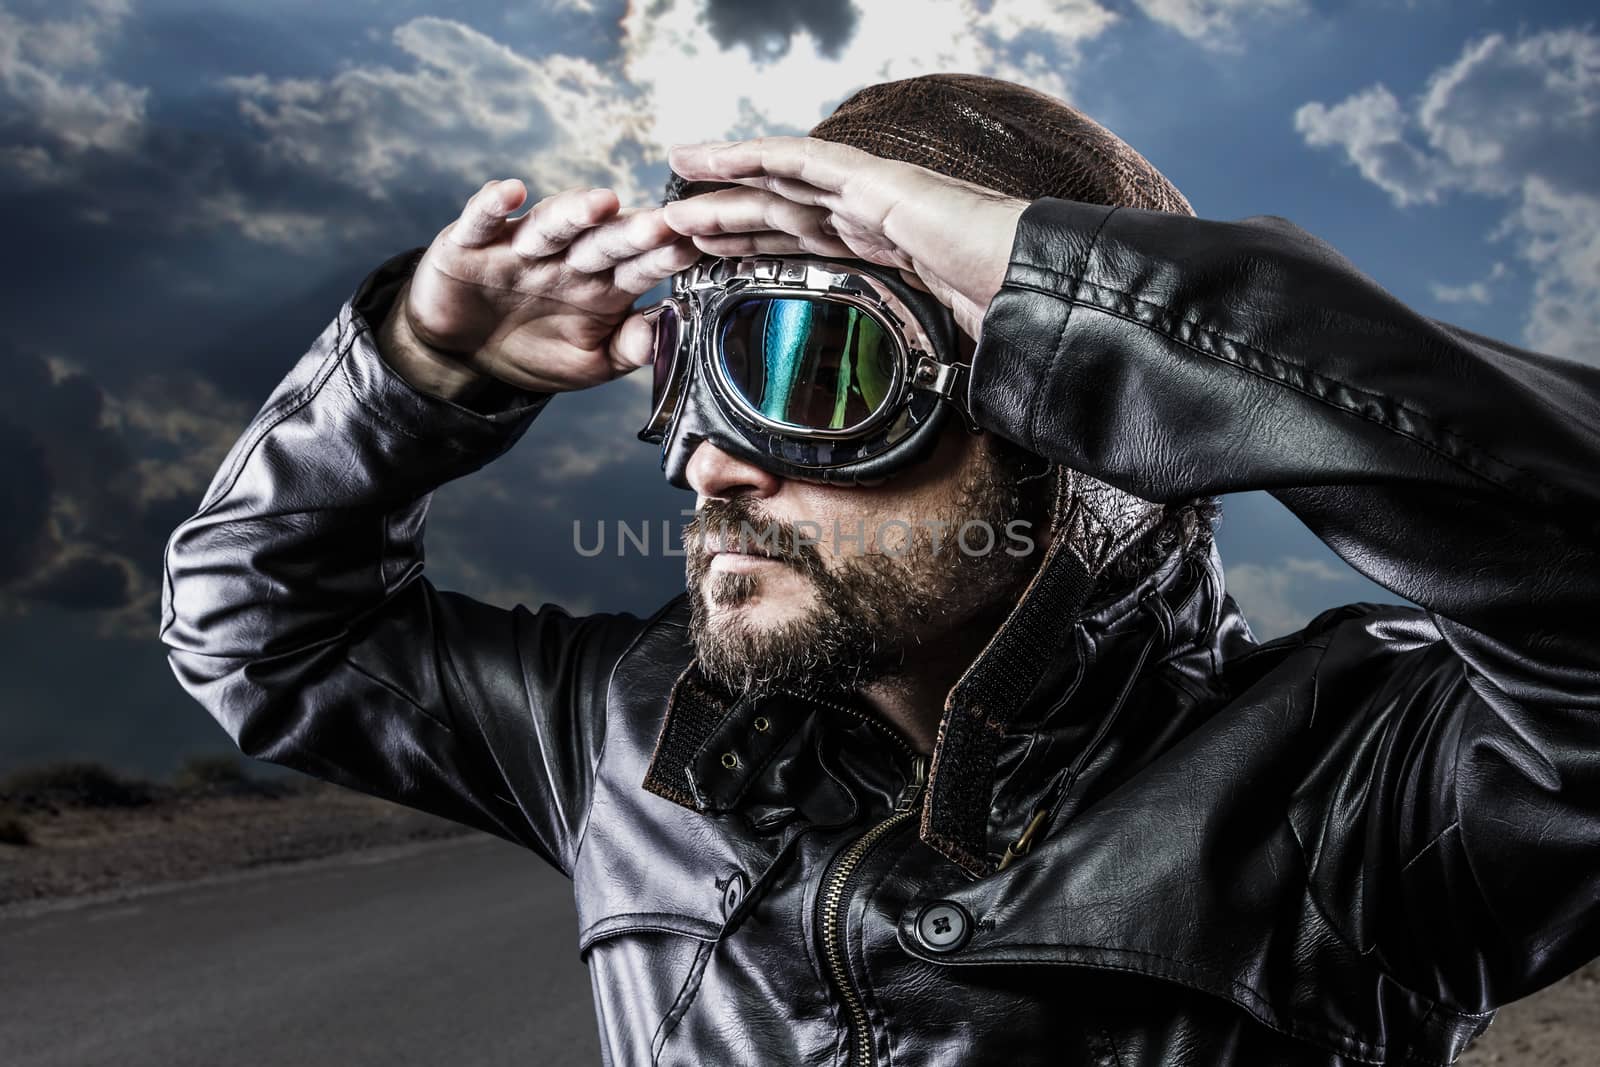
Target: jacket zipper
x,y
834,901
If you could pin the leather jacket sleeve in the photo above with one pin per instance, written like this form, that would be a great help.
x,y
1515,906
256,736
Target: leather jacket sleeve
x,y
1176,358
294,606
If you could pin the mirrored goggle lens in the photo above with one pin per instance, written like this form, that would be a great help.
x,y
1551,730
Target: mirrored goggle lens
x,y
810,364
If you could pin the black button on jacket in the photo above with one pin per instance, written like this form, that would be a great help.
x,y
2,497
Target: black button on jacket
x,y
1346,846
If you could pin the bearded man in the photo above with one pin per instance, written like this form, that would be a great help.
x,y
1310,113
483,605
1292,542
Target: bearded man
x,y
865,794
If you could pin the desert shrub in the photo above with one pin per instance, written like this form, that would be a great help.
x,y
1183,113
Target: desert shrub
x,y
73,785
202,772
13,832
224,773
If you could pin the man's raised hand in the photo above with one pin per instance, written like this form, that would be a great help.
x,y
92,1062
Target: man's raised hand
x,y
802,194
541,302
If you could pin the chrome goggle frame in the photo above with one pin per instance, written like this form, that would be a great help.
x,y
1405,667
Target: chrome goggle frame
x,y
706,292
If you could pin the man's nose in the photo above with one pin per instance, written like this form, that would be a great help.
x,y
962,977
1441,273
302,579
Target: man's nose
x,y
714,473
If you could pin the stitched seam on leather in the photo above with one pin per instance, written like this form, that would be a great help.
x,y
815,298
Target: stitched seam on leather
x,y
265,423
1058,361
650,922
373,410
1079,282
686,994
396,691
1455,824
270,421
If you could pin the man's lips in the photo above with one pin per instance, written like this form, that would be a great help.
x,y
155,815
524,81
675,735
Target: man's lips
x,y
716,548
732,554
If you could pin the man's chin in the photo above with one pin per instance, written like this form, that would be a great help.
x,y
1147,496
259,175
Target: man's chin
x,y
754,606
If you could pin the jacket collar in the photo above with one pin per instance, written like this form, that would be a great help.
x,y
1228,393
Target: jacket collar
x,y
1023,726
1035,721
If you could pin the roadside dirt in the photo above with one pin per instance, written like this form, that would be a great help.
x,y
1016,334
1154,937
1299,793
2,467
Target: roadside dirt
x,y
83,850
1557,1027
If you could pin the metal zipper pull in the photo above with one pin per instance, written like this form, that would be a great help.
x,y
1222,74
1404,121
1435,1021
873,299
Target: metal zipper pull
x,y
1020,847
913,789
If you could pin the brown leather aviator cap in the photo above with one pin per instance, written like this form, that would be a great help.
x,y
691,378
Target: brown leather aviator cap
x,y
993,133
1002,136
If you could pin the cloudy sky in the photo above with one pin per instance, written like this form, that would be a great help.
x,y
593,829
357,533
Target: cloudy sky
x,y
190,190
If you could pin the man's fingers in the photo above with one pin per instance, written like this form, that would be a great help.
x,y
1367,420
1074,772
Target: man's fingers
x,y
640,274
556,220
744,210
629,234
632,345
772,242
819,163
484,216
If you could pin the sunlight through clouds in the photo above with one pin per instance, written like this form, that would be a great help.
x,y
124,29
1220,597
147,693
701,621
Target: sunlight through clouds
x,y
466,107
1034,42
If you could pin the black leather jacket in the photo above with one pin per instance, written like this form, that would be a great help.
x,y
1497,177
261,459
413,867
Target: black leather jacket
x,y
1345,846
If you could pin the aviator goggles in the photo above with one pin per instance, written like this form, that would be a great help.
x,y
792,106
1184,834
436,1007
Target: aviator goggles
x,y
809,368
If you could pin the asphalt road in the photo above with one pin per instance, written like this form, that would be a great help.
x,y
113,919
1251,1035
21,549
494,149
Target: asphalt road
x,y
455,953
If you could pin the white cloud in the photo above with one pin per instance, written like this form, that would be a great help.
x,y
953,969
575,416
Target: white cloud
x,y
1475,292
1512,119
294,230
1371,127
179,428
53,87
466,107
1215,23
1281,597
1559,235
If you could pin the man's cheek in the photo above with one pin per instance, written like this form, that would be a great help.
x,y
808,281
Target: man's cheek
x,y
808,534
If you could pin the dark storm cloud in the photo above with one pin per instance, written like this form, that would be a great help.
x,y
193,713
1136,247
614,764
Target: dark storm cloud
x,y
176,286
514,520
766,28
70,489
84,585
24,502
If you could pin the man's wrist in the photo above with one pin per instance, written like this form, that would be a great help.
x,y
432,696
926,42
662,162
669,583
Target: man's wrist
x,y
424,368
